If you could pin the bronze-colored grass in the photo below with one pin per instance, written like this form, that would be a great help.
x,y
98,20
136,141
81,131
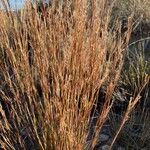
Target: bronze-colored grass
x,y
74,54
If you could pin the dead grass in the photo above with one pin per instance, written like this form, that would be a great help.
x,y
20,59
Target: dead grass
x,y
51,100
139,7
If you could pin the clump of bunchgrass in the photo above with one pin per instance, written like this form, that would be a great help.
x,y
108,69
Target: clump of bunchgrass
x,y
53,65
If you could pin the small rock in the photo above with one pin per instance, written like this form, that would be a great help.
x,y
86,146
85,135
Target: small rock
x,y
121,148
103,137
105,147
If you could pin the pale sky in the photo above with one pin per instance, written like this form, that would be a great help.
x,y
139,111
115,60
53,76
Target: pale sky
x,y
14,4
17,3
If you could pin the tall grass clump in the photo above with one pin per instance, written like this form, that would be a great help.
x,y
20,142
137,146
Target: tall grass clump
x,y
53,64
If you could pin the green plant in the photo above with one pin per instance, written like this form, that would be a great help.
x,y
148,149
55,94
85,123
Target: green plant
x,y
136,70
